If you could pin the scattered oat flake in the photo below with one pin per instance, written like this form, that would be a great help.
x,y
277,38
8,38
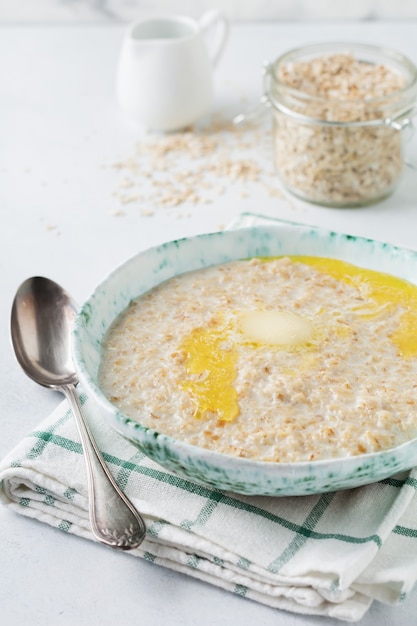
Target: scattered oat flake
x,y
118,213
193,167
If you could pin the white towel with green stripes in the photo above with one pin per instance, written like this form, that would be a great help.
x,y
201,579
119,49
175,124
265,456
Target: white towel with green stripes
x,y
329,554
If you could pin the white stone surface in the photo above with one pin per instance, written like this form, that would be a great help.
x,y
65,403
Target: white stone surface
x,y
128,10
60,128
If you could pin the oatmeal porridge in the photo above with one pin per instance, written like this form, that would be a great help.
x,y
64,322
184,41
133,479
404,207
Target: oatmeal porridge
x,y
281,359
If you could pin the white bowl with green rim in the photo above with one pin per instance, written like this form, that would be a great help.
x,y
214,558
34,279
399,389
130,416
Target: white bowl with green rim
x,y
240,475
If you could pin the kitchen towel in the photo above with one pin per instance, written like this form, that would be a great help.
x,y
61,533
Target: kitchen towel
x,y
330,554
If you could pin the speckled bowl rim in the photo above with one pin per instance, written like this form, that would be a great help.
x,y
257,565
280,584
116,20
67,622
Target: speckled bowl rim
x,y
208,467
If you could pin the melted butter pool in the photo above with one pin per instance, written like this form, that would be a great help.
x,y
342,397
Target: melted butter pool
x,y
385,290
211,366
211,355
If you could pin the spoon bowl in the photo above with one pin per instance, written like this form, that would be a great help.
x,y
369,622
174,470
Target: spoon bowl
x,y
42,318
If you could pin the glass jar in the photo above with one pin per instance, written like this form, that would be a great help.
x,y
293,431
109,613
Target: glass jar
x,y
340,115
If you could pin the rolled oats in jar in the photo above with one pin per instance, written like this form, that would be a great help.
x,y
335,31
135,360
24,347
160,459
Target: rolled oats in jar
x,y
340,113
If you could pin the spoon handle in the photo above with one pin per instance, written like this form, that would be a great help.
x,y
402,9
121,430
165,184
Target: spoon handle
x,y
114,520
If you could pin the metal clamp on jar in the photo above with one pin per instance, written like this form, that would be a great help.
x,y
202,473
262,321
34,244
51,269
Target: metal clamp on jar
x,y
340,113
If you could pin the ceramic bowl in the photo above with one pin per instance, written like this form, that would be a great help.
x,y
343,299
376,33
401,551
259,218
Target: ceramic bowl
x,y
209,468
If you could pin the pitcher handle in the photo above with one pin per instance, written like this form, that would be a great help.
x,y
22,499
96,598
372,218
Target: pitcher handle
x,y
207,21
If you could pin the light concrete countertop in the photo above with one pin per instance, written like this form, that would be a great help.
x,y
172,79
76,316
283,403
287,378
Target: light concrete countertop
x,y
60,132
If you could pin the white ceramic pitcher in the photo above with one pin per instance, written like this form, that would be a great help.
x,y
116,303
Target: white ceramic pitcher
x,y
165,75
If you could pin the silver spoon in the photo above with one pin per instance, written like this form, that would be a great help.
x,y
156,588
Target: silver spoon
x,y
41,323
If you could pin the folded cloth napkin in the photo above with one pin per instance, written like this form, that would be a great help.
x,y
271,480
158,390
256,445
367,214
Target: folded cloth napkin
x,y
330,554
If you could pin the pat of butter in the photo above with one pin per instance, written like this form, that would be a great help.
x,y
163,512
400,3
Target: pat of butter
x,y
275,327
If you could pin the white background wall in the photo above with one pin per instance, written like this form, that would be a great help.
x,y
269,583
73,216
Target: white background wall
x,y
18,11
